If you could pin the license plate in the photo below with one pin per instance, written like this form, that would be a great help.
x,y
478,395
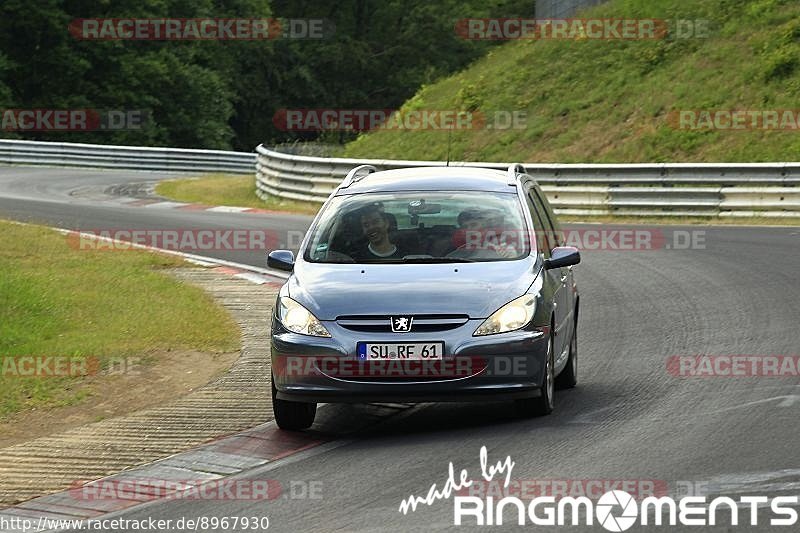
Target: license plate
x,y
403,351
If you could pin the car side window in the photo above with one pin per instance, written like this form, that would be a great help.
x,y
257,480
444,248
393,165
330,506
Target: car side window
x,y
542,229
541,200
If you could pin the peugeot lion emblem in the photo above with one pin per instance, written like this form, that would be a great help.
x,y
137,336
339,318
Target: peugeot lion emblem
x,y
401,324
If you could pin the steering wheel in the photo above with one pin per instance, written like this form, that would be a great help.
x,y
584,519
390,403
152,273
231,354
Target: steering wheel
x,y
464,252
338,257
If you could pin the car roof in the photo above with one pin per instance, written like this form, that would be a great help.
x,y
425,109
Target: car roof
x,y
431,179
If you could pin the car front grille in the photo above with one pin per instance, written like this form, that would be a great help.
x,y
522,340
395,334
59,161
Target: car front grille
x,y
421,323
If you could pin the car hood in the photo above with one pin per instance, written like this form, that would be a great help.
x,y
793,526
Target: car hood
x,y
475,289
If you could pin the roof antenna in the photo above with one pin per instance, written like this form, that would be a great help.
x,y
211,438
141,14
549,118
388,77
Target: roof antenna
x,y
449,138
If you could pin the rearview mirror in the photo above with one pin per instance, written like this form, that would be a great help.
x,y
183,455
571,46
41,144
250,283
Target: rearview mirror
x,y
281,260
420,207
562,256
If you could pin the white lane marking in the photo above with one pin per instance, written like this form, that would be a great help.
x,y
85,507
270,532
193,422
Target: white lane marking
x,y
203,263
253,278
228,209
787,401
166,205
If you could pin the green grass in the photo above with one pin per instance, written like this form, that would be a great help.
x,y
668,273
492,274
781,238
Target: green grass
x,y
609,101
232,190
56,300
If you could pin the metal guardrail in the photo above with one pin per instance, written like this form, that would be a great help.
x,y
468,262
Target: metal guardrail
x,y
124,157
667,189
661,189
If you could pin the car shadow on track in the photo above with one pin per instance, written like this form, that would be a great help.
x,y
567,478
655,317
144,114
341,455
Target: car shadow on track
x,y
432,418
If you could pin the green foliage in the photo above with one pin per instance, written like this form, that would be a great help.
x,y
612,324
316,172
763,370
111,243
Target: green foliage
x,y
224,94
611,101
469,98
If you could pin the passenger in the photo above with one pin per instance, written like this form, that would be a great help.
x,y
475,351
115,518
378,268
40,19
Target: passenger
x,y
471,219
477,233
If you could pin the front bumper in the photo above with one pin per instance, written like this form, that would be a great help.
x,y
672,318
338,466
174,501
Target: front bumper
x,y
505,366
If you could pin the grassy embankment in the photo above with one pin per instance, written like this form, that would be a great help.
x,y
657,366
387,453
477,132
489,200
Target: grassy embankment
x,y
58,301
603,101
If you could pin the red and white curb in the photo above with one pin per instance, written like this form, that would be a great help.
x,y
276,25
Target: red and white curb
x,y
237,467
200,473
154,203
259,276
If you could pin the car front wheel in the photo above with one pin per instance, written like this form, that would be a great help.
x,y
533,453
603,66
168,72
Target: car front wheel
x,y
543,405
292,415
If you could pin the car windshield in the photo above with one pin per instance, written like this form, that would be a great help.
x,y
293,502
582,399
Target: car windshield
x,y
420,227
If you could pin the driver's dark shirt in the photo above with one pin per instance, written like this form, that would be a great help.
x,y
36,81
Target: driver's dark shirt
x,y
364,254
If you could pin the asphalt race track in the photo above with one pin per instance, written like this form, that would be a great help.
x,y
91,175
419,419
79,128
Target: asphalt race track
x,y
629,419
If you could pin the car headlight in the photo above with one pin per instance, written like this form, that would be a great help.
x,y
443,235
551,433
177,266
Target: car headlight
x,y
298,319
512,316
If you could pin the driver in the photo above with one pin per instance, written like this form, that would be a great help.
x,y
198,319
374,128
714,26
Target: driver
x,y
375,225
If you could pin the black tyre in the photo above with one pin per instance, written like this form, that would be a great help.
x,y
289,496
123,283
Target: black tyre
x,y
292,415
543,405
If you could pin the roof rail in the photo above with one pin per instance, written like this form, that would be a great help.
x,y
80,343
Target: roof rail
x,y
357,174
513,170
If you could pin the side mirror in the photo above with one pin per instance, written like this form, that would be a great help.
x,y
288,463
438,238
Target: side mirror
x,y
563,256
281,260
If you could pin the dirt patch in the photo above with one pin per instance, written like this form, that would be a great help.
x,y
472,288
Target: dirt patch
x,y
168,376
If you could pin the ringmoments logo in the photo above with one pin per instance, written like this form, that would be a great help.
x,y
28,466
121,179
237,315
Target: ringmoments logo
x,y
605,510
615,510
